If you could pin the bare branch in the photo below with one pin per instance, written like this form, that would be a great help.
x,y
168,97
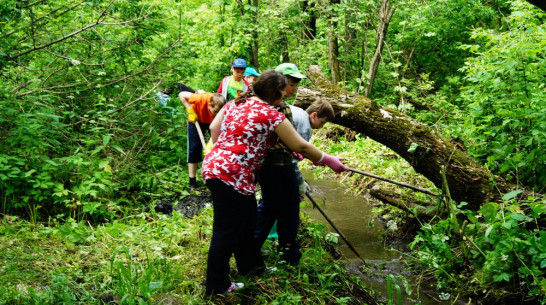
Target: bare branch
x,y
62,38
91,86
47,17
136,100
32,4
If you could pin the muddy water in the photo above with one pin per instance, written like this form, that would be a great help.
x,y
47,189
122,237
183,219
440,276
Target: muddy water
x,y
352,216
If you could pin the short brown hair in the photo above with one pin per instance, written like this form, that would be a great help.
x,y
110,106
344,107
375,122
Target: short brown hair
x,y
322,108
217,100
293,79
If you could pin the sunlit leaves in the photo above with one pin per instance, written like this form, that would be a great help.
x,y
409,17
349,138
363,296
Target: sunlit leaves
x,y
503,96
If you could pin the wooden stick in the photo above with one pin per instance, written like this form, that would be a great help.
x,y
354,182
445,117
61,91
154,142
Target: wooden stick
x,y
418,189
201,135
335,228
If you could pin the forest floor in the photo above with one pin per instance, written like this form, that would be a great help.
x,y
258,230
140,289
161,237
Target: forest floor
x,y
155,258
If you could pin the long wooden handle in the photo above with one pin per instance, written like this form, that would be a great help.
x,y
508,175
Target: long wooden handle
x,y
200,134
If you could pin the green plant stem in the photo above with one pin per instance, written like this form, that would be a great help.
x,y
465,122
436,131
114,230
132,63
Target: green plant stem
x,y
449,202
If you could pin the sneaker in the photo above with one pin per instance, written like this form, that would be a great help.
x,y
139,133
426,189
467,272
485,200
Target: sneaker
x,y
234,287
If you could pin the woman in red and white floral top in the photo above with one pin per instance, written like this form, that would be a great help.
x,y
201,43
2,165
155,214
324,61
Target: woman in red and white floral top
x,y
243,131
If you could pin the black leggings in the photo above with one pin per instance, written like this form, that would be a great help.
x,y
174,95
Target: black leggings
x,y
232,233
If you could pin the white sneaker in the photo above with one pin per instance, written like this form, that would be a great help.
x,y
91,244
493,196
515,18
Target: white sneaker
x,y
234,287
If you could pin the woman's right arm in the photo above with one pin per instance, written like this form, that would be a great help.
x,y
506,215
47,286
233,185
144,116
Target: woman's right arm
x,y
215,125
296,143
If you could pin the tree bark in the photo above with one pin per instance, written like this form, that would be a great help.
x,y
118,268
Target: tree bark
x,y
333,48
333,54
468,181
254,44
385,15
310,30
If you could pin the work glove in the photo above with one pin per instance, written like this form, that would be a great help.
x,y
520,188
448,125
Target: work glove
x,y
304,188
208,147
297,156
192,117
334,163
316,163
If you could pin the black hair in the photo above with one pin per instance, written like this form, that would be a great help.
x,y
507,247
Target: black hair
x,y
181,87
293,79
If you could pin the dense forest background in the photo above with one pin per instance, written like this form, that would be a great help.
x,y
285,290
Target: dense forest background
x,y
79,122
83,137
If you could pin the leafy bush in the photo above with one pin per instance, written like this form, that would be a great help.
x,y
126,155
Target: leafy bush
x,y
78,132
501,246
505,96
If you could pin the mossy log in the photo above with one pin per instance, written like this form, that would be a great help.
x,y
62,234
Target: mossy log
x,y
468,181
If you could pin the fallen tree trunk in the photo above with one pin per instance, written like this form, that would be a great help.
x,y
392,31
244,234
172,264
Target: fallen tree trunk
x,y
419,144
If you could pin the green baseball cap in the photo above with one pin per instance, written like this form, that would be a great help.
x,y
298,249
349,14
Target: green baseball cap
x,y
289,69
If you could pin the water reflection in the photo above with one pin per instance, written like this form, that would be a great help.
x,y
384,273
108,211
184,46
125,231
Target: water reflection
x,y
352,215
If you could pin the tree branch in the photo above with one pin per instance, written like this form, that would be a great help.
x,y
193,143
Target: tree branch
x,y
62,38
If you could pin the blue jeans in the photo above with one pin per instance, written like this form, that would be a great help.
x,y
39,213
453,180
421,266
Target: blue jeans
x,y
281,202
232,233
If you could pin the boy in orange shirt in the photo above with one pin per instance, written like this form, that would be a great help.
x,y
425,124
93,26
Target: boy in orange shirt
x,y
202,108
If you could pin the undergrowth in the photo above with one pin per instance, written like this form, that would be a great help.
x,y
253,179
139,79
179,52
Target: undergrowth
x,y
497,254
494,255
152,259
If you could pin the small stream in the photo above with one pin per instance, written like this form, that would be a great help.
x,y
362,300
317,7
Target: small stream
x,y
353,217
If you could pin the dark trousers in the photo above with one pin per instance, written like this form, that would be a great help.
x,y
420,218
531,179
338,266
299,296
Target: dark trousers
x,y
232,233
281,202
182,87
195,148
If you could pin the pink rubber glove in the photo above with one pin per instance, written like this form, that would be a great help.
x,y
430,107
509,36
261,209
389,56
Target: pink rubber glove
x,y
318,163
334,163
297,156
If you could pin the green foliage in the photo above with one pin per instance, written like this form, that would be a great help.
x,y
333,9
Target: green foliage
x,y
62,290
429,34
505,96
317,280
75,263
392,287
146,258
136,283
84,142
78,130
500,246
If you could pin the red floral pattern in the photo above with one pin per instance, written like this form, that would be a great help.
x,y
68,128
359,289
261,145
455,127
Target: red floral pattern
x,y
247,131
